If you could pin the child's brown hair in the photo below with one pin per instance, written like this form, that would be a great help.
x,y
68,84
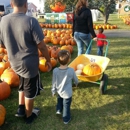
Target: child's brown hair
x,y
63,57
100,30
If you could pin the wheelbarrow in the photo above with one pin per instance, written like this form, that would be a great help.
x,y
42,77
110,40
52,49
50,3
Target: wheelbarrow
x,y
102,61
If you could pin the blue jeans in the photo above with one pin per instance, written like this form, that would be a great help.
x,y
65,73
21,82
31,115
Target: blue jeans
x,y
64,104
100,51
81,40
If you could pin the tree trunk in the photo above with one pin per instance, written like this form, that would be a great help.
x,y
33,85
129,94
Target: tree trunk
x,y
106,17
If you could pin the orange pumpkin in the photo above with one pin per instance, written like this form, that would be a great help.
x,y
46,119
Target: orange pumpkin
x,y
8,70
42,64
5,90
73,42
2,114
1,50
5,57
53,62
65,47
11,78
91,69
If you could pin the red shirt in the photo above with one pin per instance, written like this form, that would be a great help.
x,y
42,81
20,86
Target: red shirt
x,y
101,42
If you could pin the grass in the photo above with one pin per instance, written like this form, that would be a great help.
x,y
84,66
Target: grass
x,y
89,109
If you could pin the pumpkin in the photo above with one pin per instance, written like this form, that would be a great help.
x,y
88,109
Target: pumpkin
x,y
73,42
58,7
1,70
65,47
5,57
91,69
53,62
11,78
2,114
62,42
42,64
1,50
5,90
8,70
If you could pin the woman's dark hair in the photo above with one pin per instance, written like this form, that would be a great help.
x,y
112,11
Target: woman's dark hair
x,y
19,3
80,4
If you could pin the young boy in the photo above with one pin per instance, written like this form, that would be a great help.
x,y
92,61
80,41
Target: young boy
x,y
62,84
100,43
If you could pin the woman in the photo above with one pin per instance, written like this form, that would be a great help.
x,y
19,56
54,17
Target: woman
x,y
83,27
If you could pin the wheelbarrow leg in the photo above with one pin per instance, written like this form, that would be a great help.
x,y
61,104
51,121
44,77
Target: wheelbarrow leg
x,y
103,84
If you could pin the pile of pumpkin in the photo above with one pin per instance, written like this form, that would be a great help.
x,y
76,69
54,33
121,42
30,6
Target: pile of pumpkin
x,y
59,37
126,19
56,25
53,52
104,26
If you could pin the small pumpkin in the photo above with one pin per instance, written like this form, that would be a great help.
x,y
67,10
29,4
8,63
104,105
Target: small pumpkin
x,y
42,64
91,69
53,62
2,114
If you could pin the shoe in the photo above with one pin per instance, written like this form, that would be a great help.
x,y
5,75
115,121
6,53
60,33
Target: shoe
x,y
34,115
67,122
20,112
58,113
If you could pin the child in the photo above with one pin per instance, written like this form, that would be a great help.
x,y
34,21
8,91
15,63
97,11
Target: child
x,y
62,84
100,43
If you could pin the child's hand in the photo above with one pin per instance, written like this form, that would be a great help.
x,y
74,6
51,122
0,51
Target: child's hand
x,y
95,39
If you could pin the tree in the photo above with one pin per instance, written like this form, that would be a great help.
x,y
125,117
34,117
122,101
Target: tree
x,y
104,6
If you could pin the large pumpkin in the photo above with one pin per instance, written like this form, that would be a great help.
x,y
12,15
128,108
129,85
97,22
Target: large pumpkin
x,y
2,114
11,78
91,69
4,90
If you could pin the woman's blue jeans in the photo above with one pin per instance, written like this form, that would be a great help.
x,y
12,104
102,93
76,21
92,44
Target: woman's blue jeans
x,y
82,40
64,104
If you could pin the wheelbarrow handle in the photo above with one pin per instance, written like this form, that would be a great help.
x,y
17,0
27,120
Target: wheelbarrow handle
x,y
107,45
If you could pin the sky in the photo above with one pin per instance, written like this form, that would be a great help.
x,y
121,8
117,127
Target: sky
x,y
34,1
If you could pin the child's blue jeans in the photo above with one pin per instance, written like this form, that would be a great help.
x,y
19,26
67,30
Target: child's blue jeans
x,y
100,51
64,104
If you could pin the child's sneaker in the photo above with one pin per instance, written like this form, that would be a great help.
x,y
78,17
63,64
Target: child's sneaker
x,y
67,122
58,113
21,111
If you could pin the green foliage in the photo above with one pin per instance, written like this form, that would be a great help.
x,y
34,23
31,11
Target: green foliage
x,y
103,5
47,6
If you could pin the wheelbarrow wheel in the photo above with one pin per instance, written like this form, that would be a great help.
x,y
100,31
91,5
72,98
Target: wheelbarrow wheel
x,y
103,84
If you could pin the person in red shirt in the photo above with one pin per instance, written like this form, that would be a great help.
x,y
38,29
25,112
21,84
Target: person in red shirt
x,y
100,43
